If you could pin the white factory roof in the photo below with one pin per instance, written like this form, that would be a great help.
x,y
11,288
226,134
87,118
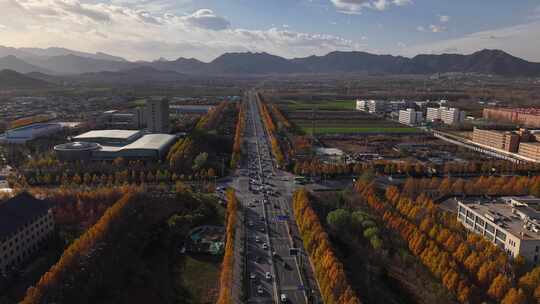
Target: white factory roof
x,y
113,134
146,142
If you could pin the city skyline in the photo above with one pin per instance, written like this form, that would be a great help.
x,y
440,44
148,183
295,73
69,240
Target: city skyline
x,y
148,30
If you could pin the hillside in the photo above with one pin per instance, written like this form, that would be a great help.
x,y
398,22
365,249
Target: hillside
x,y
10,79
493,62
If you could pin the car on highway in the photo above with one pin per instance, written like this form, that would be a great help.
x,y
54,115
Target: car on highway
x,y
257,239
261,229
283,298
260,289
250,224
268,276
252,276
265,246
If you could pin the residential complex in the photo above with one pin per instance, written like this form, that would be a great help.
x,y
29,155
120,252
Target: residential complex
x,y
503,140
521,141
449,116
530,150
25,224
410,117
111,144
513,223
382,107
528,117
157,115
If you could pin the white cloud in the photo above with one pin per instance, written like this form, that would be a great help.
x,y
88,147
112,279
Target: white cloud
x,y
356,6
402,2
444,18
136,33
206,19
2,27
420,28
521,40
436,28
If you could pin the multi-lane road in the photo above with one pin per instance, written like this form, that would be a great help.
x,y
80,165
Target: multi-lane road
x,y
274,275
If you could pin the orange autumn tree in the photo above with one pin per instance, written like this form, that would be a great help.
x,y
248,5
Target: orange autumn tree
x,y
226,276
237,146
271,130
329,270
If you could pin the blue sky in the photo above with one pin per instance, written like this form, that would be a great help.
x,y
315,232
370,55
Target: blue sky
x,y
143,29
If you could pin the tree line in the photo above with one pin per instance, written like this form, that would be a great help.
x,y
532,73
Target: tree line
x,y
469,266
271,130
226,275
329,271
316,167
239,131
70,260
490,185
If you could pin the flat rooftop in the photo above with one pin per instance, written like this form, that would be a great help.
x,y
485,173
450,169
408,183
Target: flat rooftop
x,y
511,218
112,134
146,142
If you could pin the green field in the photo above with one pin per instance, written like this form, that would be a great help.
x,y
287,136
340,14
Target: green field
x,y
335,105
351,130
199,279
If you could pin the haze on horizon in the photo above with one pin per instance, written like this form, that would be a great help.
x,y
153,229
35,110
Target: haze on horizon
x,y
205,29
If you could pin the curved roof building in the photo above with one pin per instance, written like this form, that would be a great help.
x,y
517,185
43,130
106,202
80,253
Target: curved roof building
x,y
110,144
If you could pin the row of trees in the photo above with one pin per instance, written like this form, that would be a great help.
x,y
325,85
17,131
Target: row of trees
x,y
78,251
271,129
329,271
212,118
315,167
121,177
281,120
239,131
490,185
443,245
226,276
456,167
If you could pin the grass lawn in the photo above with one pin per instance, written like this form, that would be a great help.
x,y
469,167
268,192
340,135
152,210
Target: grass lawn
x,y
334,105
200,276
350,130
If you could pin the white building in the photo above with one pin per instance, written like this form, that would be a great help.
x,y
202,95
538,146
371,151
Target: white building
x,y
410,117
449,116
157,115
433,114
361,105
111,144
27,133
25,224
513,223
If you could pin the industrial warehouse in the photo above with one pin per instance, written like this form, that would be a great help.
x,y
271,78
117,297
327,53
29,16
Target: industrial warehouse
x,y
111,144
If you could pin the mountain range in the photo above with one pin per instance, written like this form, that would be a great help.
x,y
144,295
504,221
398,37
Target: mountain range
x,y
60,61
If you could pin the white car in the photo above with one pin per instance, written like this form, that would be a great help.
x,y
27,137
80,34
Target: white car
x,y
258,240
260,290
252,276
268,276
283,298
265,246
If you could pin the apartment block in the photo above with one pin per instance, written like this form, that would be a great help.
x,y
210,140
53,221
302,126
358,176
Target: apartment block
x,y
530,150
361,105
25,225
410,117
503,140
529,117
512,223
433,114
449,116
157,115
